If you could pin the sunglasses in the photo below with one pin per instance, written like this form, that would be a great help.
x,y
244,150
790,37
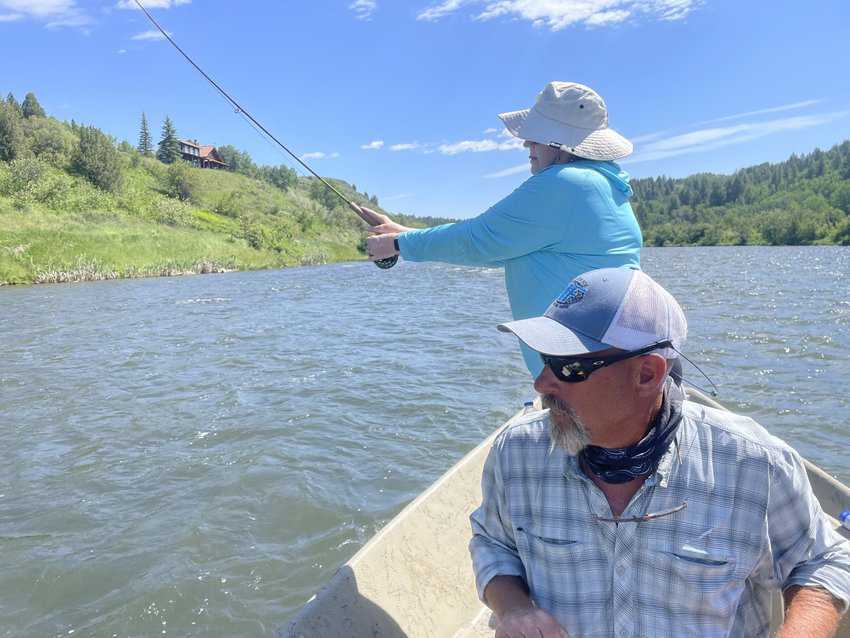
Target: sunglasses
x,y
576,370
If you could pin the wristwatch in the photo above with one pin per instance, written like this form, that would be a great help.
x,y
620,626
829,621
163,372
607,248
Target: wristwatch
x,y
395,244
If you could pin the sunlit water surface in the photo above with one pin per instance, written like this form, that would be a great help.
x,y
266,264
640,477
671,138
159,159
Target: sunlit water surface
x,y
195,456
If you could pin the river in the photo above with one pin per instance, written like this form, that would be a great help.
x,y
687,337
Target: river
x,y
195,456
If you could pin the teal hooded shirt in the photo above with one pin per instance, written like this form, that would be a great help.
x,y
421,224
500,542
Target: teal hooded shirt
x,y
566,220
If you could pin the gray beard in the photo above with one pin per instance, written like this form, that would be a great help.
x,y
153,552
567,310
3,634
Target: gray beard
x,y
566,429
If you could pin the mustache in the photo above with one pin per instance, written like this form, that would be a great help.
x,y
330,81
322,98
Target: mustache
x,y
557,405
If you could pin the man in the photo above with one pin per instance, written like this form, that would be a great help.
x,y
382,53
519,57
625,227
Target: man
x,y
630,511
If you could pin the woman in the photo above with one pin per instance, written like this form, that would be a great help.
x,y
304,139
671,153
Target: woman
x,y
572,215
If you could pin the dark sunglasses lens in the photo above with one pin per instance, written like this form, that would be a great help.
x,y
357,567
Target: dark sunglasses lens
x,y
569,370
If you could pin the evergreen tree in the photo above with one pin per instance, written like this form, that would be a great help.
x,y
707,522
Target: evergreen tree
x,y
145,144
11,136
169,145
31,107
13,103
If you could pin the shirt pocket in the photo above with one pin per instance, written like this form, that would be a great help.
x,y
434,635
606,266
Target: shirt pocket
x,y
565,577
698,589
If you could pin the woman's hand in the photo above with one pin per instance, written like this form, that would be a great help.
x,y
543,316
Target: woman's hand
x,y
383,224
381,246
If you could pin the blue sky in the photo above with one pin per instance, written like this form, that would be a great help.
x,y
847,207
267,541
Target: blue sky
x,y
400,98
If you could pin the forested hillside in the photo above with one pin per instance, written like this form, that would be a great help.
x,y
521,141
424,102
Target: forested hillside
x,y
75,205
803,200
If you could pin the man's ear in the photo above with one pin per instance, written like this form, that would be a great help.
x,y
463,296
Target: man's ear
x,y
652,373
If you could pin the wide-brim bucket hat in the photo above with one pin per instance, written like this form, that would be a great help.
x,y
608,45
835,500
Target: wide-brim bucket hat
x,y
572,116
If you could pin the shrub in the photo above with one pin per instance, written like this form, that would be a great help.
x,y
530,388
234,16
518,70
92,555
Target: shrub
x,y
50,140
180,181
170,211
21,177
229,205
97,160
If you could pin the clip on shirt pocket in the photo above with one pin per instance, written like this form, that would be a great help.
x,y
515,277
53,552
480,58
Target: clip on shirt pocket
x,y
547,539
699,556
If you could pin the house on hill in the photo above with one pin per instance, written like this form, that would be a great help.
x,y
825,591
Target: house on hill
x,y
201,155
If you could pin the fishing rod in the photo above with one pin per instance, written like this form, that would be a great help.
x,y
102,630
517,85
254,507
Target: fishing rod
x,y
365,215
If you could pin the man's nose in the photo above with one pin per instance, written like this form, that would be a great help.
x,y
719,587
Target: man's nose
x,y
546,382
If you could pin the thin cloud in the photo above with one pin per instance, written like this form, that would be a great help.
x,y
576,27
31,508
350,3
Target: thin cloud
x,y
514,170
443,9
560,14
122,51
151,4
393,198
319,155
775,109
363,9
153,34
407,146
479,146
54,13
374,145
713,138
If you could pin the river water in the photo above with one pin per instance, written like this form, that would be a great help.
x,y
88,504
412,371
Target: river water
x,y
195,456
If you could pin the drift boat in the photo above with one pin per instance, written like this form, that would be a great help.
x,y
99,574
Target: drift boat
x,y
414,578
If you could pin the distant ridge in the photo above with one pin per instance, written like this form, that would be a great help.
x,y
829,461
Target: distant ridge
x,y
803,200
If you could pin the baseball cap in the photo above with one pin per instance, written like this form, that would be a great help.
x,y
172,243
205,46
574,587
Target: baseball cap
x,y
606,308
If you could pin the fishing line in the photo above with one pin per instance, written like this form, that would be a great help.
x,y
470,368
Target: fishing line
x,y
370,219
676,373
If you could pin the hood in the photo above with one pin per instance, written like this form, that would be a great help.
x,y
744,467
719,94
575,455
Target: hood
x,y
617,176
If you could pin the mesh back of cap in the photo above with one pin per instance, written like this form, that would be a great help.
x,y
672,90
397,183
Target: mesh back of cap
x,y
648,314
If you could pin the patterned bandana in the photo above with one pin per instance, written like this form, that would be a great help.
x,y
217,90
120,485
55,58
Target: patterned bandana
x,y
620,465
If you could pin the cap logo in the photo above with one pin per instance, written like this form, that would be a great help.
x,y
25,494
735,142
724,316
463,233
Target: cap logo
x,y
573,293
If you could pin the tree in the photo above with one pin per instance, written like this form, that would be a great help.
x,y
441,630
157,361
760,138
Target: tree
x,y
31,107
323,195
281,176
145,144
11,136
238,161
169,145
13,103
97,160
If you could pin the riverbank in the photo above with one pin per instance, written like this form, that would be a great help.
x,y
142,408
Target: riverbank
x,y
42,247
39,246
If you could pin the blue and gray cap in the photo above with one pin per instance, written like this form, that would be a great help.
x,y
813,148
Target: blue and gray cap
x,y
607,308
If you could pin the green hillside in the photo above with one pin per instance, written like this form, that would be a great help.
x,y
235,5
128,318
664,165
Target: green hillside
x,y
75,205
803,200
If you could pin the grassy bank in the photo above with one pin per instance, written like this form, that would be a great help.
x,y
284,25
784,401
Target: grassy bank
x,y
57,224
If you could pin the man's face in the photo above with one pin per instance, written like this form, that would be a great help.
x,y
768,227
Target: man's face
x,y
593,410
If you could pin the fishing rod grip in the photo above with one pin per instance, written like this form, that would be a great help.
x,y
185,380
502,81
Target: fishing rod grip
x,y
372,220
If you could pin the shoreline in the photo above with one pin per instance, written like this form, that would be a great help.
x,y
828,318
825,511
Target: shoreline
x,y
203,267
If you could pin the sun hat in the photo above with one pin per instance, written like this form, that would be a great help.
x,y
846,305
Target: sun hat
x,y
573,116
606,308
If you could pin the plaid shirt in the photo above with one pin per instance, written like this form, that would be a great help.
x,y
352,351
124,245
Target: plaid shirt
x,y
751,526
